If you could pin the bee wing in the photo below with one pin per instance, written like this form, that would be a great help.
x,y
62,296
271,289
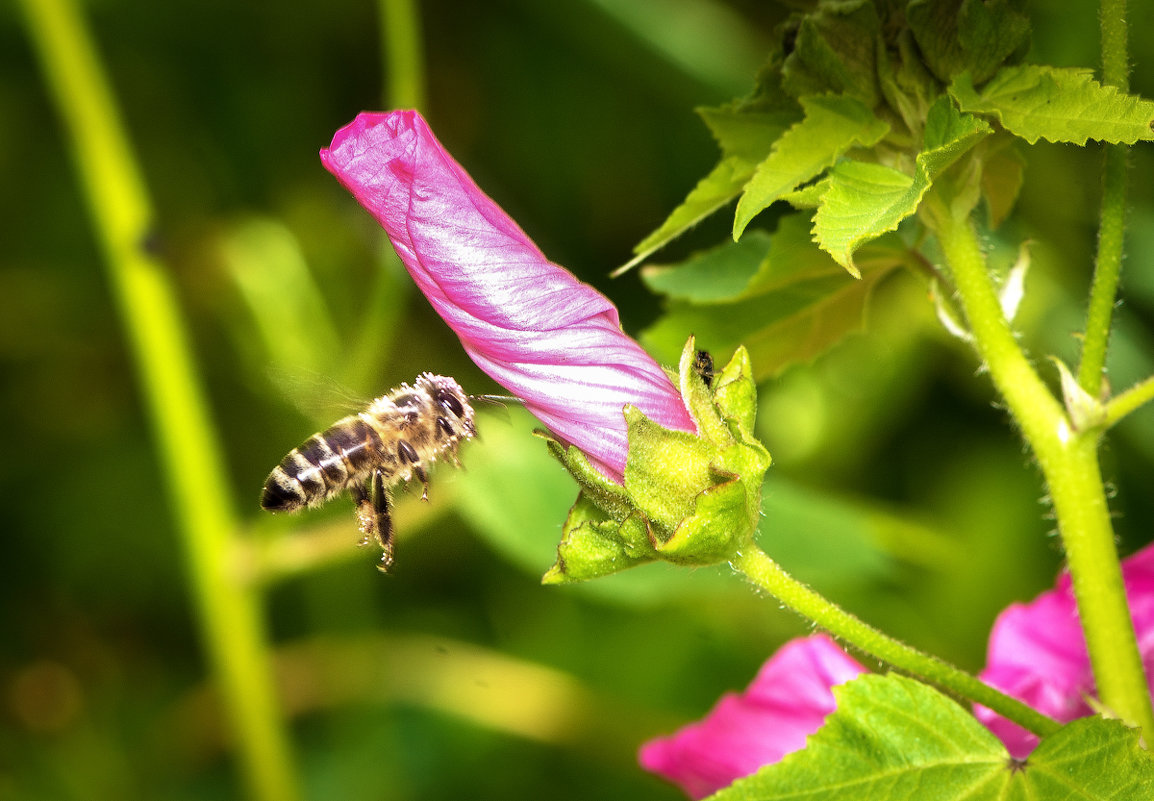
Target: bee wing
x,y
318,397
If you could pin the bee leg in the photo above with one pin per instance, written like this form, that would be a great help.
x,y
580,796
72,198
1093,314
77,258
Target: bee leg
x,y
366,519
383,520
376,523
423,477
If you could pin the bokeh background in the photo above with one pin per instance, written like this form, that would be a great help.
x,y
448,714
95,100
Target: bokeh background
x,y
898,489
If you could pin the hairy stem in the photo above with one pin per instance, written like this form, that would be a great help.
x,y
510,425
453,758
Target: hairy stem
x,y
1112,216
763,572
229,614
1107,269
1130,400
1069,464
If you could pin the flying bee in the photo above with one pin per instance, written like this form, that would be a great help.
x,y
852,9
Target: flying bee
x,y
397,438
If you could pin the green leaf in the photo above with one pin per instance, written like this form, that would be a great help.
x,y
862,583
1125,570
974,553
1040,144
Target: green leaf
x,y
866,200
745,133
718,274
832,125
1058,105
796,305
1003,173
1091,758
973,35
863,201
906,84
835,51
896,739
745,138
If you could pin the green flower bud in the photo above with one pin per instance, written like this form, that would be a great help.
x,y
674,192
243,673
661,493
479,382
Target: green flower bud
x,y
687,498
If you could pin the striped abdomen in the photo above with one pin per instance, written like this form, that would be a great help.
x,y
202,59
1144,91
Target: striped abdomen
x,y
328,463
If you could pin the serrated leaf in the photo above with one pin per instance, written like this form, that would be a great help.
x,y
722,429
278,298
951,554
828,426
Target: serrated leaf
x,y
722,185
744,133
896,739
745,138
863,201
797,305
831,126
1091,758
973,35
834,51
866,200
1057,104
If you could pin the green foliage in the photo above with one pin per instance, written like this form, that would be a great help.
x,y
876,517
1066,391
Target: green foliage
x,y
746,136
974,35
865,200
893,101
778,294
895,739
834,49
832,125
1059,105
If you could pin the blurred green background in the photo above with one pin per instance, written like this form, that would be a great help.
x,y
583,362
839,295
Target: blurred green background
x,y
897,487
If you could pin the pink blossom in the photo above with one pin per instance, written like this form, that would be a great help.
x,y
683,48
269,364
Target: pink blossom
x,y
787,701
551,340
1037,652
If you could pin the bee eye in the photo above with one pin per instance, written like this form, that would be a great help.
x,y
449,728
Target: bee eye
x,y
450,403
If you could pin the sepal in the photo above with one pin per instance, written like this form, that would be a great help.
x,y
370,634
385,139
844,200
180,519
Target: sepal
x,y
687,498
1084,410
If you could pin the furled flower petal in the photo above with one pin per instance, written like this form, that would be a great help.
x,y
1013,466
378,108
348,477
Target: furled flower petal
x,y
552,341
787,701
1038,655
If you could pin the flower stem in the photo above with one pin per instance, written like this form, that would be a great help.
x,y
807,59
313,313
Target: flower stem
x,y
1112,216
763,572
1129,401
1069,464
1107,269
193,465
402,53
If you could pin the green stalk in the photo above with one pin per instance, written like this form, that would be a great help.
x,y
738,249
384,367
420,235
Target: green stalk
x,y
193,466
1069,463
404,61
763,572
403,77
1122,404
1112,217
1107,269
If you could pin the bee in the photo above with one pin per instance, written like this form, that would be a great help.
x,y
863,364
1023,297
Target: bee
x,y
703,366
397,438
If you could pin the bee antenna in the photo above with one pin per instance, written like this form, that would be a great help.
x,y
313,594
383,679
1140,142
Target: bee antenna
x,y
496,398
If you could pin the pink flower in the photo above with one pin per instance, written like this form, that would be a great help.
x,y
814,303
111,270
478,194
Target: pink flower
x,y
787,701
552,341
1038,655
